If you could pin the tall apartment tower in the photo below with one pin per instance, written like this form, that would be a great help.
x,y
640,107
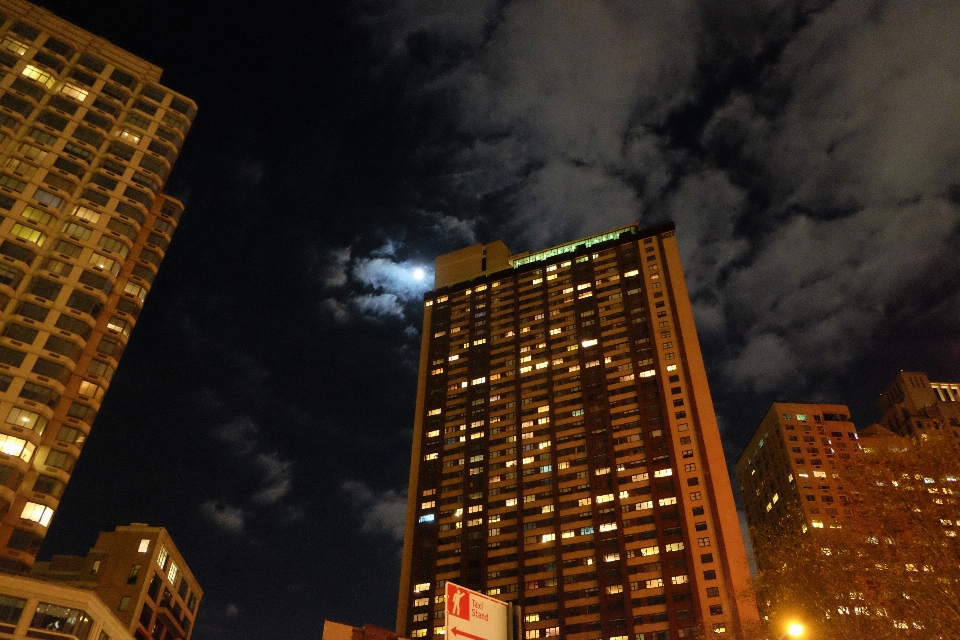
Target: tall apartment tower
x,y
566,453
789,471
911,404
88,137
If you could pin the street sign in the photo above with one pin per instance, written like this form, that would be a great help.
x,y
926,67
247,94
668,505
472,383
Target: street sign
x,y
474,616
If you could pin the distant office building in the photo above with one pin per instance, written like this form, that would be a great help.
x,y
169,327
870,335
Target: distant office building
x,y
566,452
911,404
339,631
140,575
791,465
88,137
31,608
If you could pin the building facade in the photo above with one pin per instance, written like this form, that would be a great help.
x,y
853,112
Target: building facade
x,y
31,608
88,137
566,453
912,404
790,469
138,572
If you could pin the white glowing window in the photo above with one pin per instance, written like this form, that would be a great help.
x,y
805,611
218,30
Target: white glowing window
x,y
118,325
16,447
548,537
615,588
817,524
174,573
162,557
586,285
654,583
602,471
650,551
431,456
37,513
609,526
583,502
671,367
589,343
36,73
542,365
680,579
526,369
434,412
568,534
420,588
75,92
662,473
607,497
433,434
511,502
144,545
666,501
630,274
674,546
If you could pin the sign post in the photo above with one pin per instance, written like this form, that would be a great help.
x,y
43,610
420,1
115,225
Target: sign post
x,y
473,616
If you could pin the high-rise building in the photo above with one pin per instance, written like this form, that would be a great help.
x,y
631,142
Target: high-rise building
x,y
139,573
88,137
789,471
911,404
566,452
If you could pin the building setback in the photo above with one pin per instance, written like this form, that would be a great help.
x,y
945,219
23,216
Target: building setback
x,y
911,404
566,453
88,137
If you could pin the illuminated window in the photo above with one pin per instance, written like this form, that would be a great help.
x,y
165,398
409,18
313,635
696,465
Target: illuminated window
x,y
16,447
28,233
104,263
90,390
75,230
135,290
162,557
16,46
129,136
36,73
27,419
37,513
144,545
174,573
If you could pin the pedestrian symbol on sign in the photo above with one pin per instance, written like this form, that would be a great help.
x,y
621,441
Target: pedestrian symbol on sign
x,y
455,606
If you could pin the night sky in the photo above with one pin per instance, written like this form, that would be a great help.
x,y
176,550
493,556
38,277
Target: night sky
x,y
808,152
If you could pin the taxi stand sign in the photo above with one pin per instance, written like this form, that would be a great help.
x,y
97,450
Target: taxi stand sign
x,y
473,616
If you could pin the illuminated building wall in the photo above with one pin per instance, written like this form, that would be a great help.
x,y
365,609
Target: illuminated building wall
x,y
140,574
87,139
791,464
566,452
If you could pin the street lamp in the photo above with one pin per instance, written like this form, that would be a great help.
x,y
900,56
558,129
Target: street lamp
x,y
795,630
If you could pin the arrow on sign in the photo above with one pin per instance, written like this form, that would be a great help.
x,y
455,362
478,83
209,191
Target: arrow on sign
x,y
457,632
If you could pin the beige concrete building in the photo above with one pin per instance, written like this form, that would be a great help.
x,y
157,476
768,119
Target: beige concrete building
x,y
31,608
137,571
792,464
566,452
88,136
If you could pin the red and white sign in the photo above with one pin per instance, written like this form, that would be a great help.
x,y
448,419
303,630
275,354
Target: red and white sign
x,y
474,616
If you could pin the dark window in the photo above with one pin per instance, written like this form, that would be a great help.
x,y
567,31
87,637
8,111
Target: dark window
x,y
9,476
706,557
40,393
130,211
96,281
123,228
11,356
121,150
68,249
69,166
128,306
84,302
90,62
18,252
106,106
60,460
123,78
10,276
36,92
52,120
43,288
716,609
97,120
51,369
154,589
49,486
91,137
713,592
82,77
59,47
146,615
64,104
63,347
82,412
154,93
134,574
32,311
23,541
710,574
15,104
110,346
25,30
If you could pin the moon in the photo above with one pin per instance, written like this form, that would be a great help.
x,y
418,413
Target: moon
x,y
418,274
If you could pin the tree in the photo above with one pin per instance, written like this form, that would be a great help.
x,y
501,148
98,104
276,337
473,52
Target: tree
x,y
892,569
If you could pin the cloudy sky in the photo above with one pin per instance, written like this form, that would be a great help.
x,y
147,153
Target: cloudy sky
x,y
808,152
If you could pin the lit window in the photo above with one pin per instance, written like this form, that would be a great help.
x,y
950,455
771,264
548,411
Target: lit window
x,y
16,447
37,513
431,456
649,551
144,545
420,588
162,557
27,419
16,46
662,473
674,546
667,501
703,542
174,573
427,517
671,367
29,234
36,73
135,290
654,583
74,91
104,263
679,579
129,136
90,390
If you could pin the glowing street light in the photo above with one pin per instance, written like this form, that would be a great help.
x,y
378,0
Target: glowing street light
x,y
795,630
